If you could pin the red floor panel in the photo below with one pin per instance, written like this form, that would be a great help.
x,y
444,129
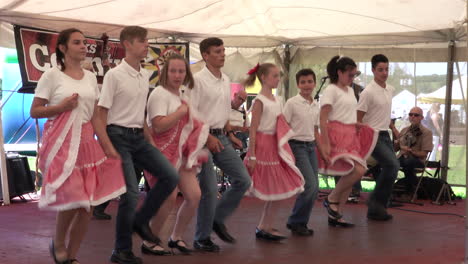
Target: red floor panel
x,y
409,238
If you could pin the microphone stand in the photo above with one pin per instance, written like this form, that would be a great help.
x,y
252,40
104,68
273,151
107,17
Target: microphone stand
x,y
323,80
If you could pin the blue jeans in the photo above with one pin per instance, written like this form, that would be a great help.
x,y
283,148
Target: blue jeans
x,y
306,161
242,136
133,148
408,164
210,209
385,156
435,148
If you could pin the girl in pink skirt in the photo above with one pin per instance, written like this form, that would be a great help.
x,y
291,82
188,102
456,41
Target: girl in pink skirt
x,y
270,160
180,136
346,144
77,173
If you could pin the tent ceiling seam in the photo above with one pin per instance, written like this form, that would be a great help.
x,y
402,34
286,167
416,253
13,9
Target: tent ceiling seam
x,y
182,16
13,5
317,8
77,8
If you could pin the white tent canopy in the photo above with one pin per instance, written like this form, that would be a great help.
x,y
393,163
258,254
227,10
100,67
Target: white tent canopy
x,y
459,94
402,103
260,23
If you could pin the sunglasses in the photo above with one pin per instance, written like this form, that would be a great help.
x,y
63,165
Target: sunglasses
x,y
414,114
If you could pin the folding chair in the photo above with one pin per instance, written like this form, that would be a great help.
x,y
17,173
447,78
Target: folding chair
x,y
422,171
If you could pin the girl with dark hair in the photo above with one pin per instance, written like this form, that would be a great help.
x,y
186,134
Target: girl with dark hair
x,y
345,143
270,160
180,136
77,173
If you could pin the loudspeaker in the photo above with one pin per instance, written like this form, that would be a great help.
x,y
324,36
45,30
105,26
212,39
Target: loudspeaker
x,y
20,180
428,190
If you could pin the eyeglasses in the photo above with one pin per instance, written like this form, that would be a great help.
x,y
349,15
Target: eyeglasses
x,y
241,99
414,114
354,75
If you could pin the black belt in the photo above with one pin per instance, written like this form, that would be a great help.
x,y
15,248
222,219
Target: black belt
x,y
131,130
383,132
217,131
301,142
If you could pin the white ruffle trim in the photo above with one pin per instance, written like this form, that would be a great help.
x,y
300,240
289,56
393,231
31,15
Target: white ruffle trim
x,y
86,204
73,125
274,197
90,165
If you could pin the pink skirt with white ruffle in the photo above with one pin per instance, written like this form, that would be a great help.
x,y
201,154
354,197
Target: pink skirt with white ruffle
x,y
348,145
93,180
275,176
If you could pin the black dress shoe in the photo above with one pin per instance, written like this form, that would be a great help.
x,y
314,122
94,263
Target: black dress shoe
x,y
331,212
175,244
52,253
125,257
300,229
144,231
379,217
221,231
151,250
206,245
335,222
100,215
261,234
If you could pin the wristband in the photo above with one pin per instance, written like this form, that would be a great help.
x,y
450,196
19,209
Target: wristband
x,y
252,158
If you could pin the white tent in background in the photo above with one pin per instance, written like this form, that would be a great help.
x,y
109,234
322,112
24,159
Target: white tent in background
x,y
459,94
402,103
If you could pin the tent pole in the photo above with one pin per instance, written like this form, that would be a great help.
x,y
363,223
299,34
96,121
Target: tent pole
x,y
3,169
466,162
461,86
414,76
287,63
447,110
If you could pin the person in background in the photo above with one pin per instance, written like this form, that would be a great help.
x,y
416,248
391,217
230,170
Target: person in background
x,y
414,143
238,118
433,120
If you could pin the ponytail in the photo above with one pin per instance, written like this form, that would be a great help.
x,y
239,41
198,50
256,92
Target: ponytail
x,y
257,72
339,63
62,39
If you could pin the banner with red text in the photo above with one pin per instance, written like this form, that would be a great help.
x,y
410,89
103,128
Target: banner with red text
x,y
36,54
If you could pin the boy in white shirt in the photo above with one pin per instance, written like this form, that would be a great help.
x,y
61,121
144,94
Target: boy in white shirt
x,y
374,109
302,114
122,108
211,97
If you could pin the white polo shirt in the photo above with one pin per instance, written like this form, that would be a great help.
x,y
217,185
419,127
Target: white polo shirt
x,y
124,92
303,117
211,97
54,86
343,104
376,102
